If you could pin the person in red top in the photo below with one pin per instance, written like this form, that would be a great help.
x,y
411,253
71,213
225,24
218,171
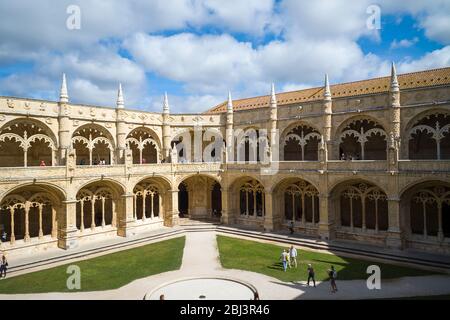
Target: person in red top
x,y
42,164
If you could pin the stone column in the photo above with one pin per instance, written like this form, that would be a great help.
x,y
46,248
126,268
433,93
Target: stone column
x,y
65,124
41,233
13,234
171,217
394,238
125,214
54,223
166,132
272,222
67,230
227,215
27,222
326,222
121,135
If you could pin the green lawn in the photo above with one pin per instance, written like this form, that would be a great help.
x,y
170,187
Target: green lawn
x,y
103,273
264,258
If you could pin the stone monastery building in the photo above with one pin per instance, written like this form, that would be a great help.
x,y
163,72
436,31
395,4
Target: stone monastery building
x,y
366,161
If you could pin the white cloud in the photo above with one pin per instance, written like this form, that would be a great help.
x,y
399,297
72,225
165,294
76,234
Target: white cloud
x,y
435,59
404,43
310,38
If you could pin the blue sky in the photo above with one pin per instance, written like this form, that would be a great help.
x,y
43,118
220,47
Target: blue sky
x,y
197,50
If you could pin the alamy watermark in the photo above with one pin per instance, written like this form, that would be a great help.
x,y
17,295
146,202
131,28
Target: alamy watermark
x,y
374,280
73,21
74,279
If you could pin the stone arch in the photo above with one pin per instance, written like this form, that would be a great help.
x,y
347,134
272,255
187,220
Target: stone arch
x,y
184,144
93,145
428,135
145,145
151,199
251,144
97,205
27,142
30,212
361,138
298,202
425,211
297,142
199,196
359,207
247,205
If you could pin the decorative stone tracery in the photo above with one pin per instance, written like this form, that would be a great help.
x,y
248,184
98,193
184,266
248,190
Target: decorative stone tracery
x,y
363,140
302,203
252,199
363,206
429,138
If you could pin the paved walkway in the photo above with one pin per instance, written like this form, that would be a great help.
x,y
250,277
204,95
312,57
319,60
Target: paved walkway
x,y
201,259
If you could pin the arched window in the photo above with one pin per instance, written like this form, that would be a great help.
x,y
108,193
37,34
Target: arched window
x,y
96,207
28,214
252,199
252,145
363,140
26,144
301,203
93,146
364,206
144,146
301,144
430,212
430,138
147,202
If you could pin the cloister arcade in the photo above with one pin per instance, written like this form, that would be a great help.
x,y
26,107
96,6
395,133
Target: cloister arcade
x,y
198,145
300,144
200,197
97,206
429,137
361,206
25,142
428,205
150,200
30,213
93,144
362,139
144,145
365,161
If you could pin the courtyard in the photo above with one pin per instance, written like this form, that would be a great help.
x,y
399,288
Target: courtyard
x,y
161,267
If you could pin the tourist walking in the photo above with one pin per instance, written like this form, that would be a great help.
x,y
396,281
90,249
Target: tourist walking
x,y
291,227
3,267
333,275
293,257
285,258
311,275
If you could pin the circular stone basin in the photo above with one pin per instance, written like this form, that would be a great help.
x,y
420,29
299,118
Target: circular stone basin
x,y
203,289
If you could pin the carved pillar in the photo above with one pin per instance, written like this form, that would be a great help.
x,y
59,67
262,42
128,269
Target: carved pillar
x,y
41,233
125,215
166,131
93,213
67,237
114,213
54,223
13,235
394,238
121,136
81,216
27,222
103,212
64,125
272,221
326,221
172,218
226,217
